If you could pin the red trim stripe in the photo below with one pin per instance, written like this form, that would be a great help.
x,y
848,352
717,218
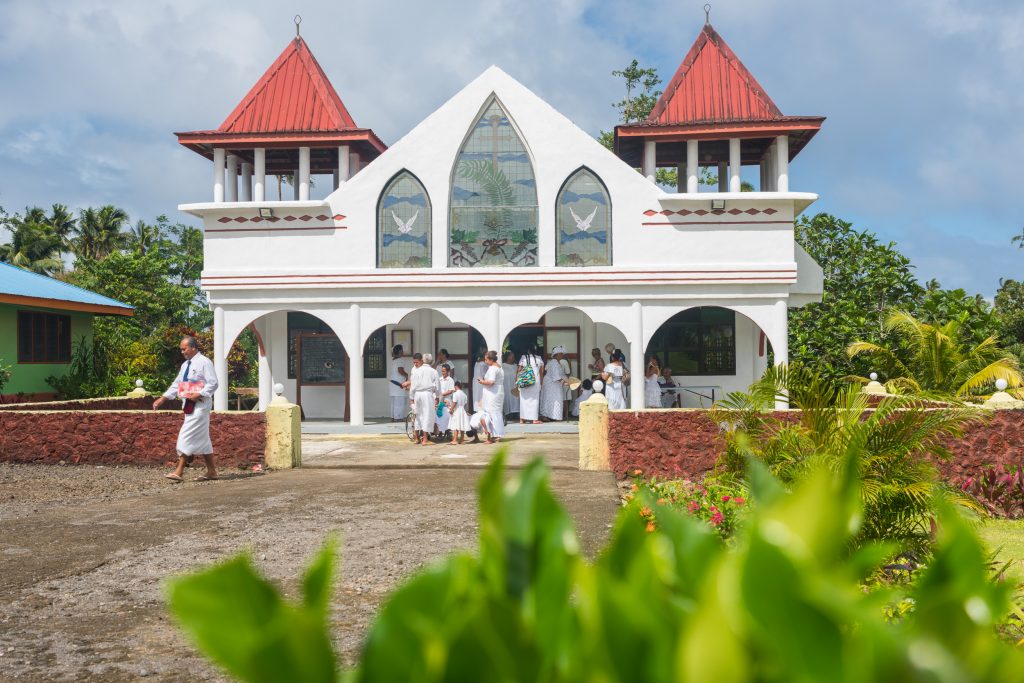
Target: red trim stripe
x,y
646,225
280,229
477,274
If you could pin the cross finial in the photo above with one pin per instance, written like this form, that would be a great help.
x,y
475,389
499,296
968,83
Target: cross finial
x,y
707,14
298,20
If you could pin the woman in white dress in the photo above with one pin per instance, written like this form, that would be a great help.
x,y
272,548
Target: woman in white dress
x,y
447,388
509,367
397,394
493,399
459,423
529,397
552,395
613,381
652,388
479,370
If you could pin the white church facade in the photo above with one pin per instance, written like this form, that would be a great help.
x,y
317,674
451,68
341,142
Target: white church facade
x,y
497,223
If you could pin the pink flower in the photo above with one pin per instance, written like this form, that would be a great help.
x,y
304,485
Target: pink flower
x,y
738,500
725,499
713,509
716,519
693,506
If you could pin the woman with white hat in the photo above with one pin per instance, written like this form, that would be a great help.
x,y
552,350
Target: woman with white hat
x,y
552,393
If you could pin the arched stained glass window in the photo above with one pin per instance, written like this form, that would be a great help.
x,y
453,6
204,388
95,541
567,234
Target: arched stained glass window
x,y
403,224
494,197
583,219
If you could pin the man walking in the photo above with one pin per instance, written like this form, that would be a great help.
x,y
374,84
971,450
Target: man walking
x,y
423,390
195,384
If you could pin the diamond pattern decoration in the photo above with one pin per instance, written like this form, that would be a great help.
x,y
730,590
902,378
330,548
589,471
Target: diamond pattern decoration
x,y
648,212
339,217
321,217
305,218
241,219
667,213
735,212
289,218
752,212
770,211
701,212
225,219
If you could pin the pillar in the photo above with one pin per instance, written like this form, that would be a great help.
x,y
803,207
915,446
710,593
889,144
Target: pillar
x,y
735,166
636,358
770,167
353,163
246,181
334,180
231,192
723,176
782,163
493,334
295,184
762,183
780,341
650,163
356,388
343,163
680,178
303,173
259,174
220,360
218,175
266,380
593,428
692,168
284,435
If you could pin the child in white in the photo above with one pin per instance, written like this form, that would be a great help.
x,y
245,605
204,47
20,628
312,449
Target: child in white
x,y
479,424
446,386
586,391
459,421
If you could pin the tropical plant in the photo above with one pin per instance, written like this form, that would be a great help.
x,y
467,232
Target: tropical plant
x,y
786,603
99,232
1000,490
143,236
37,240
5,375
894,444
719,501
937,359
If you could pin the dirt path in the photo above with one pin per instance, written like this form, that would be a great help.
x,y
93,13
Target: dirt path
x,y
81,576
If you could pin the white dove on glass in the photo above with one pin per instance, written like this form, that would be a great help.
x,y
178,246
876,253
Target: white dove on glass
x,y
583,224
406,227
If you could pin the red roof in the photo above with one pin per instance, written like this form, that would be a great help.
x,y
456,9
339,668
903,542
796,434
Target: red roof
x,y
293,95
712,85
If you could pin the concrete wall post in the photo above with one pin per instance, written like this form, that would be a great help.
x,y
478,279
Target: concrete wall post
x,y
284,435
594,453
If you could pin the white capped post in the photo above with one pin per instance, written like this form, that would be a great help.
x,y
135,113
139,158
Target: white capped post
x,y
343,159
356,409
636,359
303,173
259,174
780,341
650,162
231,194
772,156
723,176
692,169
782,163
735,166
218,175
246,181
220,360
353,163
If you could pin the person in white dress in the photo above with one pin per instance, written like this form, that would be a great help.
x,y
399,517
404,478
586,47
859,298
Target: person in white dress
x,y
613,376
478,424
493,384
399,375
479,370
652,388
509,367
446,387
552,394
423,389
459,423
442,359
195,384
529,397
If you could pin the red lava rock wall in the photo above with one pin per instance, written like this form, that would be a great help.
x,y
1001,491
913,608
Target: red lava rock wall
x,y
123,437
686,443
114,403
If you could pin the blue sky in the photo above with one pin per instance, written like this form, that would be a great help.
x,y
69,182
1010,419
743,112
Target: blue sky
x,y
923,97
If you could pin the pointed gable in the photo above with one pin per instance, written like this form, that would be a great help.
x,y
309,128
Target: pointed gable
x,y
293,95
712,85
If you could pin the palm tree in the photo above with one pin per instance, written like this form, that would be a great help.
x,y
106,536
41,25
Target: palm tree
x,y
143,236
99,232
35,245
938,360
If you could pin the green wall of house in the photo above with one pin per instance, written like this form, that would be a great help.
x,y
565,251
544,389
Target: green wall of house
x,y
30,378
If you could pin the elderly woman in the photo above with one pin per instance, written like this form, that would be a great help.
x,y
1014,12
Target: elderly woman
x,y
552,393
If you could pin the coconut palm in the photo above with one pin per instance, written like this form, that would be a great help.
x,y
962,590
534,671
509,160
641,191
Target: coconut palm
x,y
99,232
142,236
35,244
938,359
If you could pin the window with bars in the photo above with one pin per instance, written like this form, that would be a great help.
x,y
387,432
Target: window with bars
x,y
44,337
493,220
698,341
375,357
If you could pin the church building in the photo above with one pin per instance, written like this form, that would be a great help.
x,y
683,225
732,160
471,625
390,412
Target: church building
x,y
498,223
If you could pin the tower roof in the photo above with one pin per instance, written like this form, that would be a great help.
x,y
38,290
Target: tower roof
x,y
293,104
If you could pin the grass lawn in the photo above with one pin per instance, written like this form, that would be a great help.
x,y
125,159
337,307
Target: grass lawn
x,y
1008,536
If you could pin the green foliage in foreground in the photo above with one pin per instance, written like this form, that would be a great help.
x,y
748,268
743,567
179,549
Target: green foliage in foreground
x,y
785,603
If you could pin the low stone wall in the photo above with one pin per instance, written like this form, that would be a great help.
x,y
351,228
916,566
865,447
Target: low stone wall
x,y
119,437
113,403
687,443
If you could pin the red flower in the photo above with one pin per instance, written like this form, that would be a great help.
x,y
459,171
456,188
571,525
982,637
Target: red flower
x,y
693,506
650,527
637,472
725,499
716,519
738,500
645,511
713,509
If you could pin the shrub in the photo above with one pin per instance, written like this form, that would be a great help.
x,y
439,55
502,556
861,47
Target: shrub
x,y
674,604
1001,491
719,501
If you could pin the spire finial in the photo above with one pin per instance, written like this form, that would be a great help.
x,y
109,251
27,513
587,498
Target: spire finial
x,y
297,20
707,15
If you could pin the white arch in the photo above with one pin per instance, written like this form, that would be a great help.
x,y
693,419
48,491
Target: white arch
x,y
338,319
761,314
611,315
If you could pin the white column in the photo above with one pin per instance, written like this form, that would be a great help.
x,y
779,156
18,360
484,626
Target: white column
x,y
493,335
356,409
295,184
735,166
650,162
680,178
260,175
266,381
218,175
353,163
220,360
343,160
334,179
231,193
762,184
303,173
692,169
723,176
782,163
772,156
246,181
636,358
780,341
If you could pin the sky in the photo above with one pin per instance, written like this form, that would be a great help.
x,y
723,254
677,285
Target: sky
x,y
923,142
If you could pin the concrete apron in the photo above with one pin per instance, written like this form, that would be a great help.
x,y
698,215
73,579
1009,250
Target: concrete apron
x,y
560,451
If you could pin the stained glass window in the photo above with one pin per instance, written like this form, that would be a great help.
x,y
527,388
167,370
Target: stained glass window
x,y
403,224
583,218
494,197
